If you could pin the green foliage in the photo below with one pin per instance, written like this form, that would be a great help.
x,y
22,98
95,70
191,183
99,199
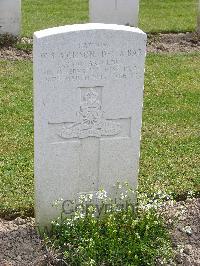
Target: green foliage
x,y
27,47
120,236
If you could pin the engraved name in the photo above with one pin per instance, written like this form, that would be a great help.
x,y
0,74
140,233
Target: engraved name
x,y
90,64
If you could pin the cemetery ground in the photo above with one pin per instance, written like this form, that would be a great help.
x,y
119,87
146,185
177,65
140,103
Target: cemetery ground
x,y
170,150
169,154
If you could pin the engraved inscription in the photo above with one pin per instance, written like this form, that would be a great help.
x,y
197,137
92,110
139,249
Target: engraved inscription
x,y
91,61
90,120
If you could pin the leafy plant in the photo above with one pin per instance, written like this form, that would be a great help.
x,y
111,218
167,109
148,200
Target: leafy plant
x,y
118,236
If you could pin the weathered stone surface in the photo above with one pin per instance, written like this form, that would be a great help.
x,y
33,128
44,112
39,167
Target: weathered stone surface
x,y
10,17
124,12
88,95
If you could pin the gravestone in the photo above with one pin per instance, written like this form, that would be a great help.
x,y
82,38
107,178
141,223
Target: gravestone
x,y
124,12
10,17
88,96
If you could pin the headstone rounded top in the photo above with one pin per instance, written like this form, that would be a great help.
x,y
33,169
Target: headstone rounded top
x,y
84,27
122,12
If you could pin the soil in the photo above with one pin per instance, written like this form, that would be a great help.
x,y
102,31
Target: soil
x,y
10,52
183,222
20,244
173,43
157,43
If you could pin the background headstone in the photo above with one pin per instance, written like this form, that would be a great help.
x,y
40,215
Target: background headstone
x,y
88,96
124,12
10,17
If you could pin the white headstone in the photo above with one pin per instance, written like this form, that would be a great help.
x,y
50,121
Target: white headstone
x,y
88,97
124,12
10,16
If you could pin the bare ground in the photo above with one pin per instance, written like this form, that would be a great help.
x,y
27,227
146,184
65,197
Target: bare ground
x,y
9,52
183,221
19,243
173,43
157,43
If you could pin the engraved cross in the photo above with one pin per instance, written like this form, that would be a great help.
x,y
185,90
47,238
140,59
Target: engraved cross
x,y
90,128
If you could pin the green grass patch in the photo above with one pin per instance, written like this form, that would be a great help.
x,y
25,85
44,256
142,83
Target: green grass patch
x,y
16,150
170,151
42,14
155,15
26,47
168,15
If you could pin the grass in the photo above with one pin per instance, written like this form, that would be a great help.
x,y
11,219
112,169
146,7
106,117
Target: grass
x,y
168,15
16,150
41,14
170,151
170,141
155,15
